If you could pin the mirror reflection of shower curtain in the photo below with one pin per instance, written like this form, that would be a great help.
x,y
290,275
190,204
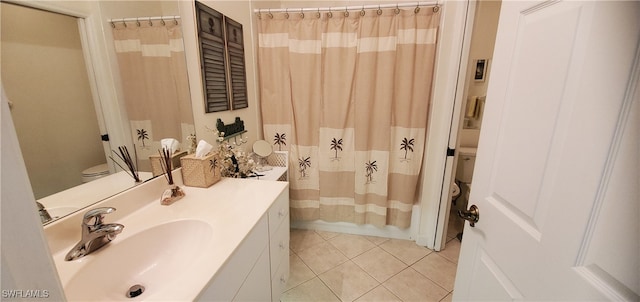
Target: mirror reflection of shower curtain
x,y
348,97
154,83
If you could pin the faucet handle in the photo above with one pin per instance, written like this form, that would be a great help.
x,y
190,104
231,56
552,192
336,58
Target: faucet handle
x,y
98,214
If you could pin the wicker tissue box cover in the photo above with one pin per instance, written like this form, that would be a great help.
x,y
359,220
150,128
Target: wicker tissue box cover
x,y
197,172
156,164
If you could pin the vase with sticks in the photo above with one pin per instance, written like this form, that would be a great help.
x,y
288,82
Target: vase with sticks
x,y
125,157
174,192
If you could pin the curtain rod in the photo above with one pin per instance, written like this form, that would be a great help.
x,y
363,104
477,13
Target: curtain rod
x,y
343,8
164,18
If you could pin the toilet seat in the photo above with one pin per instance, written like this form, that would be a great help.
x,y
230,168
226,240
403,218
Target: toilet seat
x,y
95,172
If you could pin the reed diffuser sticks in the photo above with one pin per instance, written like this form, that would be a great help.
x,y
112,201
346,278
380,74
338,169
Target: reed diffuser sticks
x,y
166,164
124,155
173,193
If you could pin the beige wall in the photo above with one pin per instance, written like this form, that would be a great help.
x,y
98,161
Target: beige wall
x,y
239,11
482,42
45,76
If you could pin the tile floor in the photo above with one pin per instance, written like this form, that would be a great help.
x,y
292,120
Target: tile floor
x,y
329,266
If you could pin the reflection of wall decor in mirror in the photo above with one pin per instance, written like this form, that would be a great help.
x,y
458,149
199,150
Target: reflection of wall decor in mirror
x,y
222,60
153,70
481,70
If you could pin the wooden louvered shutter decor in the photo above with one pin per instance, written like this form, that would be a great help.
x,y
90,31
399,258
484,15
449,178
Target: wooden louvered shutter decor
x,y
237,74
222,58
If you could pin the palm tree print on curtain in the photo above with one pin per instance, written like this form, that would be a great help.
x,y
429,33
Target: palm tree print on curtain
x,y
142,135
370,168
304,163
280,140
407,145
347,93
336,145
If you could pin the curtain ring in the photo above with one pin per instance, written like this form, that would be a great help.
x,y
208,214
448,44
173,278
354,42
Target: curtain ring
x,y
150,23
330,14
113,25
379,11
318,13
397,10
175,21
259,14
436,8
362,12
270,14
162,21
346,12
417,9
137,22
124,23
286,13
301,13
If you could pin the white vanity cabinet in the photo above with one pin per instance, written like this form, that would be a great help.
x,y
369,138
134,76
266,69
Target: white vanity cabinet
x,y
279,246
258,269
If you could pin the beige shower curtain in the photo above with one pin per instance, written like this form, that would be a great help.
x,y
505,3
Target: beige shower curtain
x,y
155,84
348,97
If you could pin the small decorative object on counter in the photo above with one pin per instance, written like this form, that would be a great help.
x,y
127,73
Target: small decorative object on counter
x,y
200,172
174,192
232,159
201,169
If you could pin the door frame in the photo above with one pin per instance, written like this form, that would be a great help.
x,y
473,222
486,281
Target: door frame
x,y
442,134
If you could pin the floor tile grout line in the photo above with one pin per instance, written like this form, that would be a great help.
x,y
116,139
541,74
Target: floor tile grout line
x,y
434,281
379,283
328,287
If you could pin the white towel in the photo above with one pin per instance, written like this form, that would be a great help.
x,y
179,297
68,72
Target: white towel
x,y
170,144
471,106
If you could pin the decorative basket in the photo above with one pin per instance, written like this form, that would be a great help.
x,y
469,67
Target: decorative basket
x,y
277,158
198,172
156,163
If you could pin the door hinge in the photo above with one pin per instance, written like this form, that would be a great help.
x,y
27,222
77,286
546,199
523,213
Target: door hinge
x,y
451,152
105,137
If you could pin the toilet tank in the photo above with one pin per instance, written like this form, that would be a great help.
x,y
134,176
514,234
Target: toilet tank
x,y
466,161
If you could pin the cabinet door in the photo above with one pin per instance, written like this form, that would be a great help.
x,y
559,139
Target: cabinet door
x,y
279,245
257,286
279,280
231,277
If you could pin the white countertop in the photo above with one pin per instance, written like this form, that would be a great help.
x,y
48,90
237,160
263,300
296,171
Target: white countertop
x,y
232,207
273,174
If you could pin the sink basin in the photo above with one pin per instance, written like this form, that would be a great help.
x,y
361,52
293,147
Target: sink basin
x,y
154,258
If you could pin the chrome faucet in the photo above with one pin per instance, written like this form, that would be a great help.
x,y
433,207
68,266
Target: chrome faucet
x,y
95,234
44,215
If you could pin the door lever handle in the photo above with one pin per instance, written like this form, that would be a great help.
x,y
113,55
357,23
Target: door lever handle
x,y
472,215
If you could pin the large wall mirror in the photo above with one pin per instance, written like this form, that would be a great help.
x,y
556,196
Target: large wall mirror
x,y
58,112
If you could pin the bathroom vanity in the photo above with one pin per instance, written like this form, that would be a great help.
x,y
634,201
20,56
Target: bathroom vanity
x,y
223,243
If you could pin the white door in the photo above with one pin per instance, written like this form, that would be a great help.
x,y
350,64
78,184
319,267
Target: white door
x,y
557,172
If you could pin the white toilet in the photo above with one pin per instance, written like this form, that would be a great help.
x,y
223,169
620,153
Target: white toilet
x,y
95,172
464,172
464,175
466,161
